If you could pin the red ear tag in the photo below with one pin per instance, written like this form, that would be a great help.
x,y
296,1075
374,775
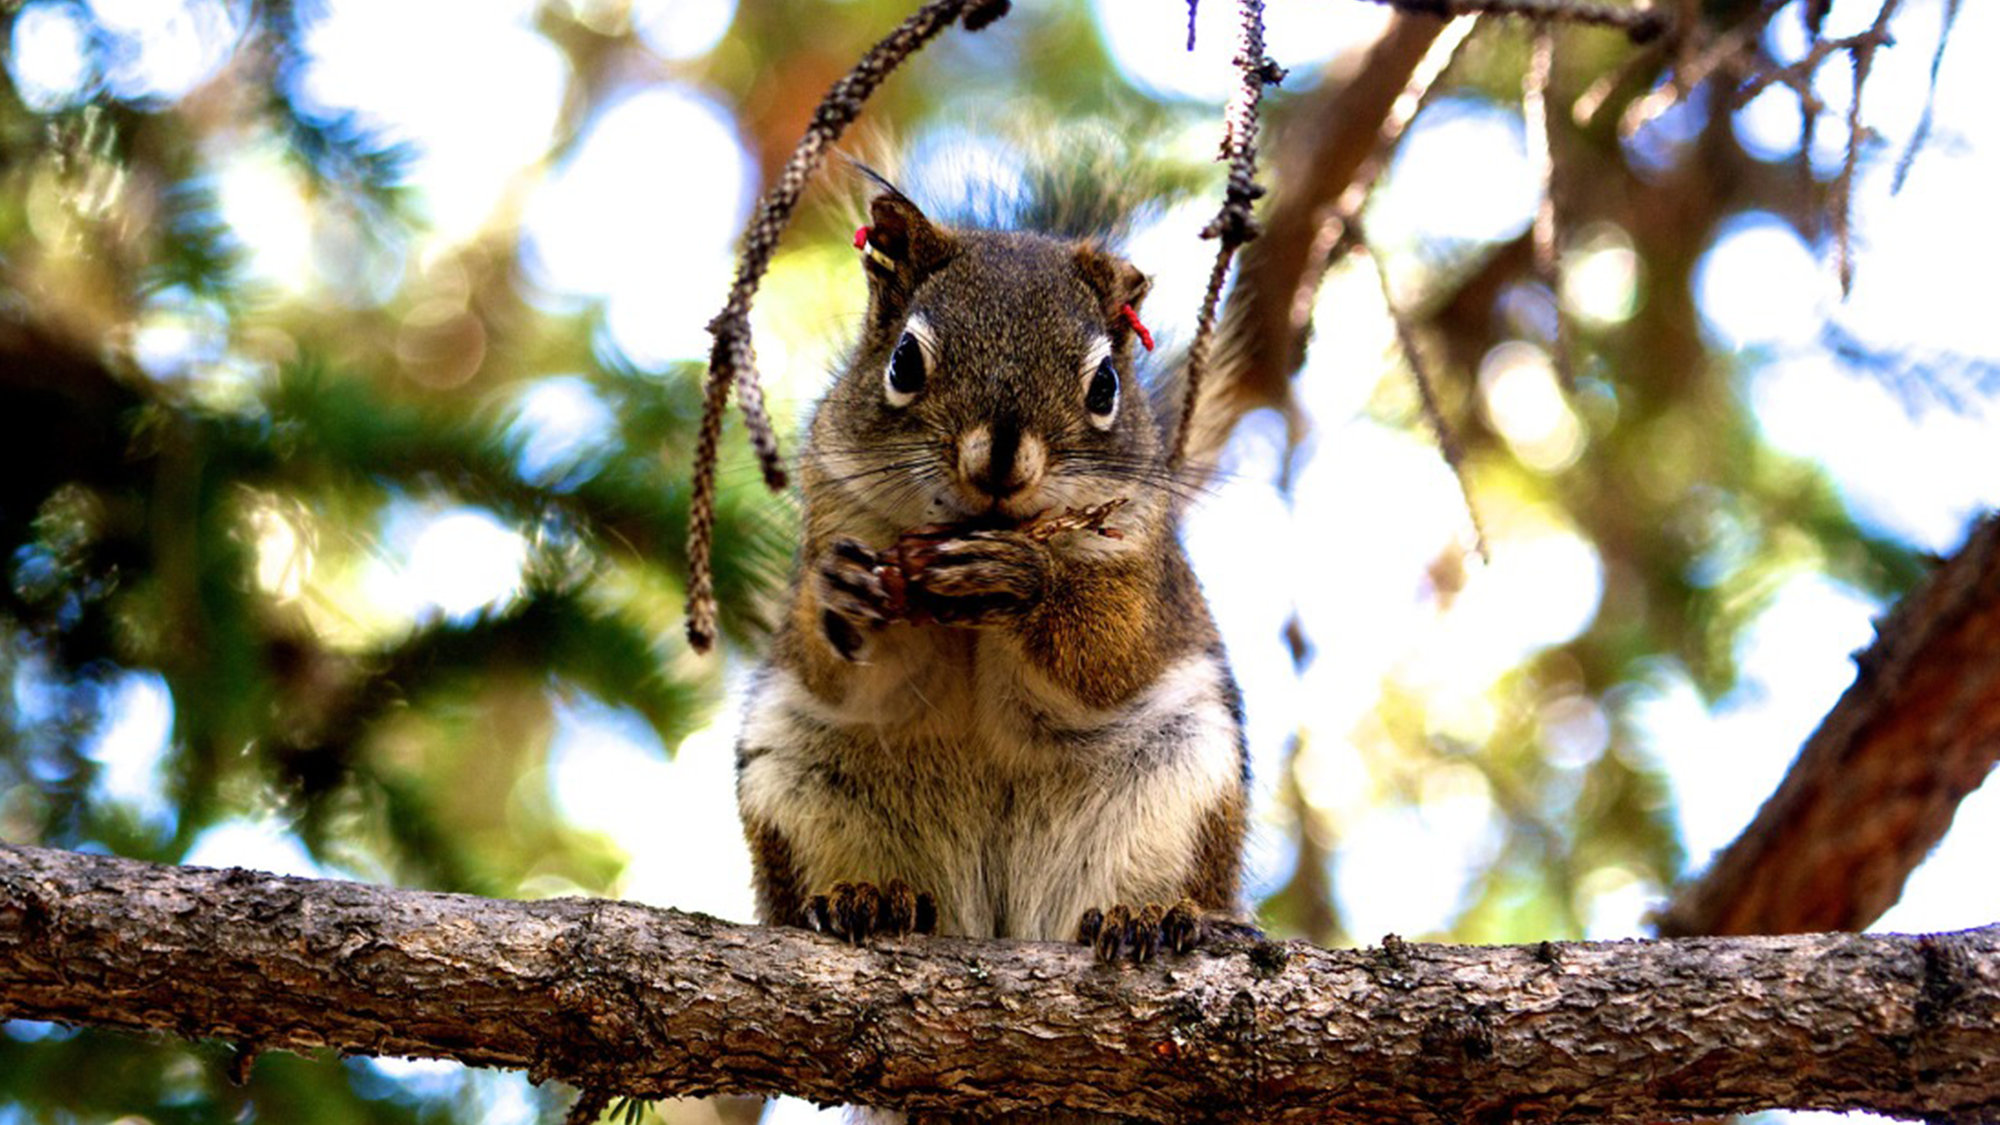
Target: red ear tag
x,y
871,251
1132,317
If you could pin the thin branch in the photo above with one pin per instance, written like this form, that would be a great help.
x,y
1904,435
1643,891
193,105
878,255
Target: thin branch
x,y
1641,24
1922,135
1541,146
1863,56
732,360
1441,429
1341,232
1798,76
1402,113
1723,54
655,1003
1233,225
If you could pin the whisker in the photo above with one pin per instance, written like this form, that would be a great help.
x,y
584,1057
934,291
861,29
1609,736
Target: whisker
x,y
1137,469
879,470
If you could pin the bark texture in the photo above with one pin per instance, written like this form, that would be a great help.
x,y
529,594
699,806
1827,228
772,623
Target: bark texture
x,y
1876,786
623,998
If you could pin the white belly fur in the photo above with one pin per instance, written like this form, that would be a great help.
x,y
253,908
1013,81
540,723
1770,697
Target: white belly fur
x,y
1018,816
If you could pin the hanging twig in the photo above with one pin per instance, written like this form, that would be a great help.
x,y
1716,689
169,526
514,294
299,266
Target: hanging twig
x,y
1233,225
1863,55
1339,231
1541,143
1923,132
732,360
1406,338
1798,76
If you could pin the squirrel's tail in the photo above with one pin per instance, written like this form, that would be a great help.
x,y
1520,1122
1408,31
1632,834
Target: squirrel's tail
x,y
1234,385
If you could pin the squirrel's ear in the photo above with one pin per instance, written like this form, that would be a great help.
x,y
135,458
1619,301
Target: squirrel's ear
x,y
1118,284
901,234
899,247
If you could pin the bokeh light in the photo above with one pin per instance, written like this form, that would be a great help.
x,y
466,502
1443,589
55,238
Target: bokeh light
x,y
475,115
49,55
621,221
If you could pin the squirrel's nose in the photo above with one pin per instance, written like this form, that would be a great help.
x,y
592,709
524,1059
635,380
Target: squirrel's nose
x,y
998,460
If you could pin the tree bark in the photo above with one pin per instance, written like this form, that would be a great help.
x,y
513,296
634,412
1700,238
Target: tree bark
x,y
1876,786
612,996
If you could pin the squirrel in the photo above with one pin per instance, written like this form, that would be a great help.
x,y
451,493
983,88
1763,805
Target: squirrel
x,y
973,719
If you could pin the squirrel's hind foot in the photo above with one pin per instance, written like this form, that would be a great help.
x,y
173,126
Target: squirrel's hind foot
x,y
856,912
1122,932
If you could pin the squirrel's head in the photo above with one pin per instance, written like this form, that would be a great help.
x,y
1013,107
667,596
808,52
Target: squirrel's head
x,y
993,379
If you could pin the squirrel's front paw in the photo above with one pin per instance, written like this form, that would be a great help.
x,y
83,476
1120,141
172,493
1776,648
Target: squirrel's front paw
x,y
1123,932
853,601
984,576
859,911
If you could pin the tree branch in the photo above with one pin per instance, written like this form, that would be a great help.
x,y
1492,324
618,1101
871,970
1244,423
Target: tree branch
x,y
1876,786
621,998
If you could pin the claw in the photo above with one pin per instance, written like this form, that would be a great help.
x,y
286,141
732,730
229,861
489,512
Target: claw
x,y
1121,932
852,597
1181,929
1090,927
856,912
1145,932
1111,939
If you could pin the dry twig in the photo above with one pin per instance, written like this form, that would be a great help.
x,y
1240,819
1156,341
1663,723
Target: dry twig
x,y
900,566
1048,525
1922,135
732,359
1728,54
1863,56
1441,429
1541,142
1339,232
1798,76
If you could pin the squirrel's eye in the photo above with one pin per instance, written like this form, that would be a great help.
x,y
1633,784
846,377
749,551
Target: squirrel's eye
x,y
1101,397
905,376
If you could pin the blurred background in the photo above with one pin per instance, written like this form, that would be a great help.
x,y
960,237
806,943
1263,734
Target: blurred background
x,y
349,367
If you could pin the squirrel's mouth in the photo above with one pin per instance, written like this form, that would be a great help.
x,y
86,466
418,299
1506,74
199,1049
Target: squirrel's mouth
x,y
1010,512
996,518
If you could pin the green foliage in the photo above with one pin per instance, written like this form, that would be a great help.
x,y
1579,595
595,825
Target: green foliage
x,y
212,521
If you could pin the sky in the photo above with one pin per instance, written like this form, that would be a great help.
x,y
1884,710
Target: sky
x,y
599,228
